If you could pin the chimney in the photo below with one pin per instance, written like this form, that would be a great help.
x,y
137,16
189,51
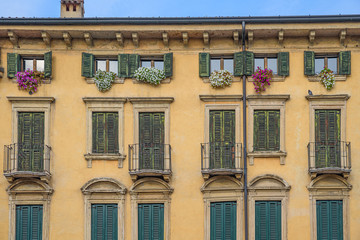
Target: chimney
x,y
72,9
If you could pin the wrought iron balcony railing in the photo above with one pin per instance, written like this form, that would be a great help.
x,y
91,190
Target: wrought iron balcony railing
x,y
24,160
221,158
150,159
329,157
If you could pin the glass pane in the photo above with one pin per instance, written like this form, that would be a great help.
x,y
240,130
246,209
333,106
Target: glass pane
x,y
40,65
113,66
229,65
159,65
272,64
101,65
28,64
259,62
332,64
214,64
319,64
146,64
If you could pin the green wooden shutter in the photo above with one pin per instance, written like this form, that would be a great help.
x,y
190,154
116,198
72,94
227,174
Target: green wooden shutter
x,y
29,222
104,222
268,220
249,63
13,64
168,64
239,64
309,63
273,130
38,142
48,64
112,129
134,61
105,132
88,65
223,221
329,220
204,64
151,221
266,130
345,63
283,64
123,65
98,132
260,131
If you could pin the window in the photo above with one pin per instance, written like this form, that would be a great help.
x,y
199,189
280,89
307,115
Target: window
x,y
105,132
29,222
107,64
266,130
152,62
277,62
33,64
269,62
151,221
104,221
328,61
223,220
222,63
329,219
267,220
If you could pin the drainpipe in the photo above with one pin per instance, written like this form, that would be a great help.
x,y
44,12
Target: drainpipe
x,y
245,142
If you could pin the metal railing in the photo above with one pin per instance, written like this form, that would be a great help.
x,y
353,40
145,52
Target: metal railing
x,y
329,155
26,158
221,155
150,157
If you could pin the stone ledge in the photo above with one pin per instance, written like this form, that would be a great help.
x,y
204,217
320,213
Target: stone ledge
x,y
265,154
221,98
89,157
316,78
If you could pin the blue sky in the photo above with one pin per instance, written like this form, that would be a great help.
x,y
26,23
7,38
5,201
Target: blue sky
x,y
182,8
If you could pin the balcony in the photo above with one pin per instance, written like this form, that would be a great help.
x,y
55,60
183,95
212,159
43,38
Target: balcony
x,y
24,161
221,158
329,157
150,160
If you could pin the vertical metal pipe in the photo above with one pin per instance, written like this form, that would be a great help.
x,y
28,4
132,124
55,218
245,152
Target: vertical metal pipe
x,y
245,142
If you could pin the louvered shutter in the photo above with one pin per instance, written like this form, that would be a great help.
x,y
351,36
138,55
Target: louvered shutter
x,y
239,64
38,141
204,64
151,221
228,153
223,221
168,64
268,220
274,211
112,120
48,64
98,132
345,63
273,128
261,232
134,61
309,63
216,129
158,140
260,133
88,65
229,223
29,222
329,219
283,64
249,63
104,222
13,64
123,65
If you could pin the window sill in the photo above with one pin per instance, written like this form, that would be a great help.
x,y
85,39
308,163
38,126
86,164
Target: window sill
x,y
267,154
166,80
275,78
316,78
207,80
104,156
45,81
117,80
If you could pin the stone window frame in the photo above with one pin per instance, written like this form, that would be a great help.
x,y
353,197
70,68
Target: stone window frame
x,y
327,102
104,104
158,192
223,194
329,192
271,188
39,195
266,102
113,192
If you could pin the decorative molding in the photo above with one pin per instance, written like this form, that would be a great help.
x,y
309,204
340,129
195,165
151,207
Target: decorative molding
x,y
264,154
185,38
46,38
135,39
150,100
220,98
29,99
206,38
281,36
312,36
105,99
328,97
88,39
250,37
270,97
342,36
236,37
165,38
120,39
89,157
14,39
67,39
316,78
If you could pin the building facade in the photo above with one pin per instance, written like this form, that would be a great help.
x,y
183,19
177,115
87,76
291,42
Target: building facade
x,y
143,161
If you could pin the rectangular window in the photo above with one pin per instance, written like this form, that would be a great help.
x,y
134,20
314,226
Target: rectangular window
x,y
104,221
328,61
266,130
329,220
223,221
151,140
151,222
107,64
327,138
269,62
268,220
29,222
222,63
152,62
105,132
31,141
34,64
222,139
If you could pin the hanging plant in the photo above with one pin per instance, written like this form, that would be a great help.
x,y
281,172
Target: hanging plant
x,y
152,76
29,80
262,79
327,78
221,78
104,80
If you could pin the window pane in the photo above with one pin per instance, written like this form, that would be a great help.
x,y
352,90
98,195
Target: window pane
x,y
259,62
272,64
229,65
319,65
113,66
332,64
28,64
214,64
146,64
159,65
100,65
40,65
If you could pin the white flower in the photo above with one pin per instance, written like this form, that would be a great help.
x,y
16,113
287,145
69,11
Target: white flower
x,y
149,75
220,78
103,80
